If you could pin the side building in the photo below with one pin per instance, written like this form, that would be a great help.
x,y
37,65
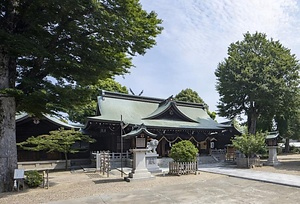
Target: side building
x,y
172,121
27,126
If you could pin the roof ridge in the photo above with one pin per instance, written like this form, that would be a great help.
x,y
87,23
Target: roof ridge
x,y
111,94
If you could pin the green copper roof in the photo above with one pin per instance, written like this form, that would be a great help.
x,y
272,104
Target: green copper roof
x,y
169,107
141,130
22,116
148,111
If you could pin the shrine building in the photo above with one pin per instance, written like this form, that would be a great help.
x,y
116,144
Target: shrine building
x,y
28,125
171,121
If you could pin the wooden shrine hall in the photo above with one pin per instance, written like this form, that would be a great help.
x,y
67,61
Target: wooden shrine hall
x,y
28,125
172,121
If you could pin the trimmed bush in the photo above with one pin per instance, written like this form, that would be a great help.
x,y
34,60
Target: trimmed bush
x,y
184,151
33,179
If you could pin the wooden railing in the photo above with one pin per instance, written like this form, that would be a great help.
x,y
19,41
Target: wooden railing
x,y
114,155
116,160
180,168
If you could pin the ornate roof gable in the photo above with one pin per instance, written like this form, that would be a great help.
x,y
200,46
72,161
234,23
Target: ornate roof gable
x,y
168,109
142,130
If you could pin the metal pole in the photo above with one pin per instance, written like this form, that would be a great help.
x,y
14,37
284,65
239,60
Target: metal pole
x,y
121,124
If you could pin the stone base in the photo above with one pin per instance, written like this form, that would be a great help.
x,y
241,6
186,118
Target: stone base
x,y
271,163
272,160
152,163
139,175
242,162
139,170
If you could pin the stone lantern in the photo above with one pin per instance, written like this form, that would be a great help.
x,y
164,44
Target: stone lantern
x,y
140,138
272,144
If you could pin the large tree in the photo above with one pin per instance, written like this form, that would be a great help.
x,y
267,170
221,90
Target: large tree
x,y
188,95
288,121
80,113
50,51
255,78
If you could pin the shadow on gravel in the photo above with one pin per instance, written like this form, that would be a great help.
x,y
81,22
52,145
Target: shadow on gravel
x,y
117,180
288,165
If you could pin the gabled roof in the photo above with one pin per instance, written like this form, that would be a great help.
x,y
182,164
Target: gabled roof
x,y
168,110
152,112
23,116
140,130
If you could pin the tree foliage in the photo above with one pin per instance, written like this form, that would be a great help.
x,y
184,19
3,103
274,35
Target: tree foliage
x,y
288,120
50,51
184,151
255,78
80,113
288,126
188,95
71,44
57,141
250,144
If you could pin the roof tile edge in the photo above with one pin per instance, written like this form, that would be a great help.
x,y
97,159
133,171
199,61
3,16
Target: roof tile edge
x,y
110,94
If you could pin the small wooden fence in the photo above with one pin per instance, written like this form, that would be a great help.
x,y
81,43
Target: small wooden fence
x,y
180,168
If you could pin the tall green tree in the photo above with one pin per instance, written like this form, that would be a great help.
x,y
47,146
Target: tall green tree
x,y
255,77
288,122
80,113
50,51
188,95
57,141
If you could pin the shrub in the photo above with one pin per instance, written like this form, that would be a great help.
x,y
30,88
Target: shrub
x,y
184,151
250,144
33,179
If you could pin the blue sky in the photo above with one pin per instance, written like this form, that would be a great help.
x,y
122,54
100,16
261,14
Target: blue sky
x,y
195,39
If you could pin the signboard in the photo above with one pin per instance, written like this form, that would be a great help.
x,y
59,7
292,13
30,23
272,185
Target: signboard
x,y
19,174
140,142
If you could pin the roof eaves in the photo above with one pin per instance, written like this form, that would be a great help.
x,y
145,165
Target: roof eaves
x,y
139,131
59,122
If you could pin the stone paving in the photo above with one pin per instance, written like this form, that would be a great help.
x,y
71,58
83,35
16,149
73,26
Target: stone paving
x,y
235,186
270,177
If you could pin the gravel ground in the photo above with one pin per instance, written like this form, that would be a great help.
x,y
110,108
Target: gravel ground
x,y
289,164
69,185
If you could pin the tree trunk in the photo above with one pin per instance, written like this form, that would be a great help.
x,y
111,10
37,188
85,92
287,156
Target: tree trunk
x,y
66,159
251,120
287,145
248,163
8,148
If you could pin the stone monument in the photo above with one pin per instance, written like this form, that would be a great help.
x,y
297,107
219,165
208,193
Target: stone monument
x,y
272,145
151,157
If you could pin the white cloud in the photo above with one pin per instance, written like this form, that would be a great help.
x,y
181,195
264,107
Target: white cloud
x,y
195,39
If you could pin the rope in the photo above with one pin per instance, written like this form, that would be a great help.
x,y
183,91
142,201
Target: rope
x,y
172,141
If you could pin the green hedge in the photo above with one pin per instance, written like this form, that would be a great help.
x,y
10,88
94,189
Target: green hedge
x,y
184,151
